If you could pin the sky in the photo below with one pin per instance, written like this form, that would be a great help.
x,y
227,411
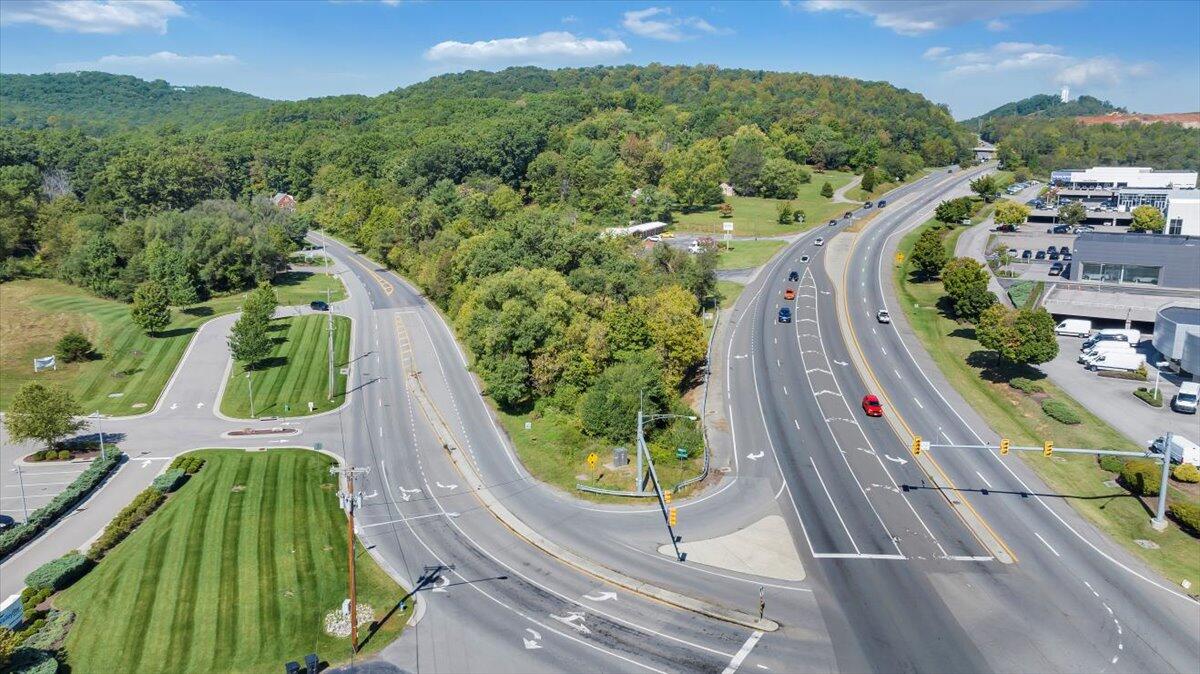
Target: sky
x,y
971,56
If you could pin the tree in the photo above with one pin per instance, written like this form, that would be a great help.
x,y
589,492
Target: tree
x,y
868,179
1023,336
248,340
725,210
609,408
151,310
827,190
676,332
784,212
929,253
1072,213
1147,218
694,175
747,157
781,179
953,211
986,187
1011,213
45,413
507,381
74,346
966,282
261,302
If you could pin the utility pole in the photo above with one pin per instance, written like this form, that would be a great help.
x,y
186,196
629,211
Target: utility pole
x,y
329,354
250,388
100,430
351,500
1160,518
21,481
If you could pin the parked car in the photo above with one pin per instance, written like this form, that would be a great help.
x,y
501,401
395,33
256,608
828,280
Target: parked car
x,y
1099,348
1041,255
1026,255
818,241
1051,249
1056,269
1115,334
1066,257
793,275
1066,273
1118,361
1064,250
1059,229
1182,450
1078,229
785,315
1075,327
847,215
654,237
789,294
1185,400
318,305
1013,252
668,235
871,406
1052,255
883,316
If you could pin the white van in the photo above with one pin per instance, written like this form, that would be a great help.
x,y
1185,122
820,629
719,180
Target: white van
x,y
1185,400
1182,449
1105,347
1113,334
1118,361
1075,327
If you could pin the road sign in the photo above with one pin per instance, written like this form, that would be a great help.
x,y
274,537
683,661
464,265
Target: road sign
x,y
318,446
728,227
592,460
899,258
681,453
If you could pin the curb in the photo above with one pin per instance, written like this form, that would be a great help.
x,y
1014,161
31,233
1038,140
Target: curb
x,y
518,527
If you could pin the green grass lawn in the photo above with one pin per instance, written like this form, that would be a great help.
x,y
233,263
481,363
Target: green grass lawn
x,y
1018,416
235,573
37,312
729,292
742,253
754,216
295,373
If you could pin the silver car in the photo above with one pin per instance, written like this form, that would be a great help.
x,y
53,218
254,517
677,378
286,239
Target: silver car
x,y
883,316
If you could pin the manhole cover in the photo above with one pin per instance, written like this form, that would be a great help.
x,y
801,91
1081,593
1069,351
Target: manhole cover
x,y
1149,545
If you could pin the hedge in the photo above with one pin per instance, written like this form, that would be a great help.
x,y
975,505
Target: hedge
x,y
1187,516
32,661
1139,374
43,517
1026,385
126,521
170,480
186,463
1142,476
1186,472
1112,464
58,574
1060,412
1149,397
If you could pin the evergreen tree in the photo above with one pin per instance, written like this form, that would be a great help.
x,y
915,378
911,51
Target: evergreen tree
x,y
827,190
868,179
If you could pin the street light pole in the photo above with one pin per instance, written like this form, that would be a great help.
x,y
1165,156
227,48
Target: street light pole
x,y
1160,518
100,430
21,481
250,388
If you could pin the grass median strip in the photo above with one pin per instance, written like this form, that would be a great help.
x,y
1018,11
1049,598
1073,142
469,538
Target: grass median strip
x,y
235,573
756,216
994,392
130,369
295,373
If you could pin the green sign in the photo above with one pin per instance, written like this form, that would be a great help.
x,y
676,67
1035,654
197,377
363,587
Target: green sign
x,y
317,446
681,453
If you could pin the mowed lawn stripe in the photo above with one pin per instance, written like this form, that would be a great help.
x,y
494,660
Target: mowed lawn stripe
x,y
249,573
183,620
228,591
267,619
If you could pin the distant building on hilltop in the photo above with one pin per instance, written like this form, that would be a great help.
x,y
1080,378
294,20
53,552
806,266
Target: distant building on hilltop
x,y
284,201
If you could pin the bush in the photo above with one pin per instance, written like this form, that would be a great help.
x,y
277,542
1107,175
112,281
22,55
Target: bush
x,y
58,574
64,455
1060,412
1150,397
73,347
126,521
186,463
1112,464
1187,516
32,661
1186,472
1026,385
170,480
35,457
1141,476
41,518
53,632
1139,374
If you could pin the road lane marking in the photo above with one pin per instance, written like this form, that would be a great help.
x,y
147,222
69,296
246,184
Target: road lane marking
x,y
1039,537
831,502
918,402
856,555
741,655
985,482
785,390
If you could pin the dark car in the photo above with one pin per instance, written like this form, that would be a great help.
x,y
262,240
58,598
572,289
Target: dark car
x,y
1025,255
867,205
1066,272
1052,255
318,305
882,203
1051,249
803,258
1066,257
871,406
848,214
833,223
785,315
1059,229
1063,250
1056,269
793,275
1041,255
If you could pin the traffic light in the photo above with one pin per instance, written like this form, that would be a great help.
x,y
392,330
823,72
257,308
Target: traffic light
x,y
1047,448
1004,443
666,496
671,517
916,445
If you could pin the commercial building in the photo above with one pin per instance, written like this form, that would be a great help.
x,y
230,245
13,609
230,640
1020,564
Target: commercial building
x,y
1182,213
1116,177
1177,336
1160,260
641,231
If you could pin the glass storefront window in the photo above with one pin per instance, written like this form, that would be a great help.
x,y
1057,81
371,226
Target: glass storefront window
x,y
1135,273
1120,273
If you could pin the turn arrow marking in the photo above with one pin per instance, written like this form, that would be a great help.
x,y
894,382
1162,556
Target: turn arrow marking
x,y
451,487
756,457
601,596
892,458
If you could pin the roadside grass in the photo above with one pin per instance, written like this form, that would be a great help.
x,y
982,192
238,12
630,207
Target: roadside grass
x,y
755,216
729,292
744,254
295,373
859,194
235,573
130,368
974,374
555,451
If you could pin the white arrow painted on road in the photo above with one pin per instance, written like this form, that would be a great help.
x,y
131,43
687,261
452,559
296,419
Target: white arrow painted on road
x,y
841,363
451,487
174,405
827,392
741,356
756,457
575,620
889,457
534,632
373,494
817,369
601,596
532,644
199,405
146,463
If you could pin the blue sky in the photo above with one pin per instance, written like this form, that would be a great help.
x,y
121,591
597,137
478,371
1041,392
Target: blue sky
x,y
971,56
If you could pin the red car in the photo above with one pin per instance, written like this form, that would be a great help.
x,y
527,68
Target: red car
x,y
871,406
789,294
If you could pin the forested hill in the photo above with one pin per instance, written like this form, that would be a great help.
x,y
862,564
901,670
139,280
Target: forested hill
x,y
100,102
1046,105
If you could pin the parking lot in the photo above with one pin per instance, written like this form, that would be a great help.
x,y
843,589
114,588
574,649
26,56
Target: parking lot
x,y
42,482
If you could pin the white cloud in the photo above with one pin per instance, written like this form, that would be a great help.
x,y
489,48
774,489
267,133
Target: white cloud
x,y
933,53
657,23
547,46
164,64
92,16
1102,71
917,17
997,26
1046,60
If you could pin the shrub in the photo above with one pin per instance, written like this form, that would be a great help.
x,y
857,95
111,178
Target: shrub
x,y
1060,412
126,521
1186,472
1139,374
1141,476
188,464
53,632
73,347
1026,385
64,455
1150,397
36,456
1112,464
170,480
32,596
59,573
32,661
1187,516
41,518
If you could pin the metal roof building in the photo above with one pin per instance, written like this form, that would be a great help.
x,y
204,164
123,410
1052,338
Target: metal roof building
x,y
1139,259
1177,336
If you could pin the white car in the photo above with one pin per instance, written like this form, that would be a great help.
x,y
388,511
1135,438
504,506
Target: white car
x,y
883,316
655,238
819,241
